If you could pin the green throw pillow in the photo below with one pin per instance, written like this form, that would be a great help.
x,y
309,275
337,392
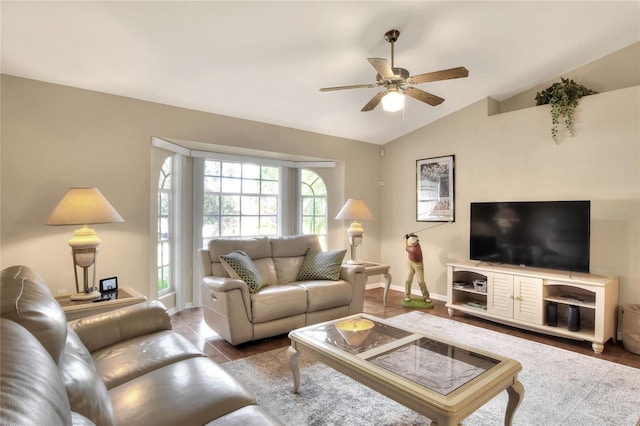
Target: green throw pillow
x,y
247,271
321,265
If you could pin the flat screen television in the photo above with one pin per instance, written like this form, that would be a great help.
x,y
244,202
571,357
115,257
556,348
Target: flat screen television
x,y
544,234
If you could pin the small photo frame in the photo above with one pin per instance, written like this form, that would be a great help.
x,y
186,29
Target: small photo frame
x,y
109,285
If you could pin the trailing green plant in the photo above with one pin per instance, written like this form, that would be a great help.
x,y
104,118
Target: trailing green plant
x,y
563,98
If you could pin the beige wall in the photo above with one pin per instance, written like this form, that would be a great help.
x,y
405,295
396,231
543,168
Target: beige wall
x,y
618,70
512,156
55,137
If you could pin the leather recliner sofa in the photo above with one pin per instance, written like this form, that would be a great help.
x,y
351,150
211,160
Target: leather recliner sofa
x,y
286,303
125,367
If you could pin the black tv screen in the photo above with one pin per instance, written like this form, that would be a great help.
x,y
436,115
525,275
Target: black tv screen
x,y
544,234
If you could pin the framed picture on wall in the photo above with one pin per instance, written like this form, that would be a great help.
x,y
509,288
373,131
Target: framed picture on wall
x,y
434,189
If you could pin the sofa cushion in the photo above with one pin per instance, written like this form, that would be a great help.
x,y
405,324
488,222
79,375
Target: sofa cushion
x,y
326,294
321,265
267,269
294,245
287,268
26,299
31,389
190,392
256,248
248,272
135,357
275,302
87,393
106,329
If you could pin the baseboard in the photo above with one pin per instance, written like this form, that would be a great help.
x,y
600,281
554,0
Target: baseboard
x,y
415,290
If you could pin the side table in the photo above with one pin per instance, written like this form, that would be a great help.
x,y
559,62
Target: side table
x,y
371,269
75,309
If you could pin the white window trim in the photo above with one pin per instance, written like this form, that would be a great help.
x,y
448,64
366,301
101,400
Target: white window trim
x,y
198,200
179,149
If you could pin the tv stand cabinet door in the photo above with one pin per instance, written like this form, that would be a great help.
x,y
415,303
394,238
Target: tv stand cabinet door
x,y
528,301
500,294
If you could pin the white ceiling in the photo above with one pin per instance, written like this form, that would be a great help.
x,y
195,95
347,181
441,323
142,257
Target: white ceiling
x,y
265,61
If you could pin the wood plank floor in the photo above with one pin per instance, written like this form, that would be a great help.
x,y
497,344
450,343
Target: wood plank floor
x,y
190,324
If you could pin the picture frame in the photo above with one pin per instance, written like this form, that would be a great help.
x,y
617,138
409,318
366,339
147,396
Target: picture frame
x,y
435,201
109,285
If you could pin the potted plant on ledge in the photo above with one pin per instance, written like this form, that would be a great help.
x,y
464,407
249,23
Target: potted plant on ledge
x,y
563,98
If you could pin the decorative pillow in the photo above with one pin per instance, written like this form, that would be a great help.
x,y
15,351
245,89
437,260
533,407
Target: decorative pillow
x,y
229,269
321,265
247,271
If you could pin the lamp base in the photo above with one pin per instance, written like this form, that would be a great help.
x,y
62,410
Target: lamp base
x,y
86,296
354,262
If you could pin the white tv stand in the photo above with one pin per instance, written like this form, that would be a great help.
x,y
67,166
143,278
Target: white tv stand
x,y
519,296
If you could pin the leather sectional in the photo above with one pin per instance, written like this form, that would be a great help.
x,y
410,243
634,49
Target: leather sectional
x,y
125,367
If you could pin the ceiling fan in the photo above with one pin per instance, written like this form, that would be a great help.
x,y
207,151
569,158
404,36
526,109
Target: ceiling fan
x,y
395,79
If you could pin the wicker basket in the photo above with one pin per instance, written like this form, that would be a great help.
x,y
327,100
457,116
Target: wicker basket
x,y
480,286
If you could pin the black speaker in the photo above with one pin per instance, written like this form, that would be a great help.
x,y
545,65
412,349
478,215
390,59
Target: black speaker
x,y
552,314
574,318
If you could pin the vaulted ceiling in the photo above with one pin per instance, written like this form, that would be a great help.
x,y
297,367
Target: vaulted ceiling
x,y
265,61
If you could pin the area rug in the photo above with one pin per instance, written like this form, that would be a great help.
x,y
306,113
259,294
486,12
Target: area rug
x,y
561,387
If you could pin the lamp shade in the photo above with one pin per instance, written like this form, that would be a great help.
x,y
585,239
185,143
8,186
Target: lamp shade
x,y
354,209
83,206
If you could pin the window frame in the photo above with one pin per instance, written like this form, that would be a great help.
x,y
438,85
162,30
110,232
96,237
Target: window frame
x,y
169,241
193,174
323,237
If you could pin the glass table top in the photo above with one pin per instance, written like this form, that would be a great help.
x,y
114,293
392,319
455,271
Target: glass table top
x,y
435,364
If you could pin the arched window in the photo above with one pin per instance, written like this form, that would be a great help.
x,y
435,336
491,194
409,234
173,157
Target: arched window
x,y
313,205
165,227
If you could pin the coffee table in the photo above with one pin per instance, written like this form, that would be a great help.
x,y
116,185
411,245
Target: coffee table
x,y
443,380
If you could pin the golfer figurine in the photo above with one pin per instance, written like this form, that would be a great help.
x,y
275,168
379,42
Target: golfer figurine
x,y
414,252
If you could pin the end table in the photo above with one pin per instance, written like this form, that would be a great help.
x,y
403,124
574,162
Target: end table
x,y
75,309
371,269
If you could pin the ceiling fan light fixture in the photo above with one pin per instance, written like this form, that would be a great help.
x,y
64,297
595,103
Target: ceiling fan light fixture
x,y
393,101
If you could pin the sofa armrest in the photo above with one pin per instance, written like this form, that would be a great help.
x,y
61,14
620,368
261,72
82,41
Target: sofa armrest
x,y
354,274
205,262
102,330
348,272
225,284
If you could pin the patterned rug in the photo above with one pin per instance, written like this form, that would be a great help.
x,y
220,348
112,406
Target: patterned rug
x,y
561,387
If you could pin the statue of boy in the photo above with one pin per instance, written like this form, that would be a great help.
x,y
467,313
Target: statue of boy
x,y
412,246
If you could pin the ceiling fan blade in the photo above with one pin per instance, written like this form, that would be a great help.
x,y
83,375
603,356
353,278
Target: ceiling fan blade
x,y
382,67
423,96
458,72
374,101
355,86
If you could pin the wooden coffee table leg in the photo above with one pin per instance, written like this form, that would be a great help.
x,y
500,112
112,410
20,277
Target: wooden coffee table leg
x,y
292,356
516,393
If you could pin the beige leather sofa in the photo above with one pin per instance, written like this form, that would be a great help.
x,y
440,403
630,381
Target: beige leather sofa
x,y
125,367
285,304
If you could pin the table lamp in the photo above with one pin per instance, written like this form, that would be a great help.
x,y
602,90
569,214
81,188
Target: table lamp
x,y
355,209
83,206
